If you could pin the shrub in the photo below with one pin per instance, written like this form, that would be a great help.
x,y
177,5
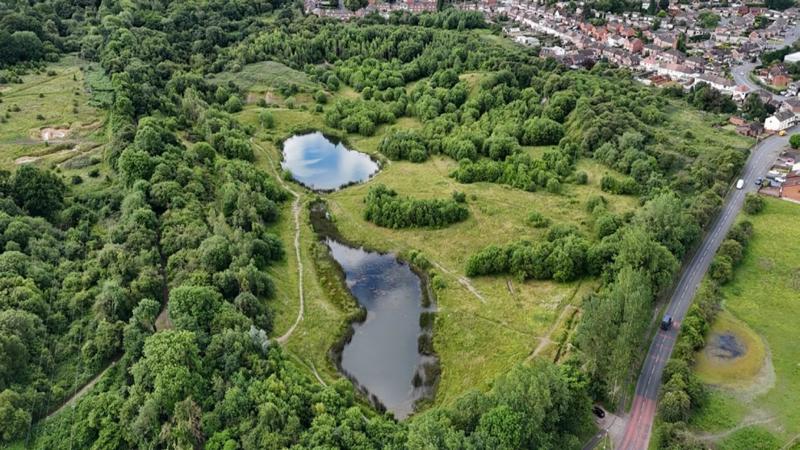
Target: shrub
x,y
794,141
385,208
537,220
753,203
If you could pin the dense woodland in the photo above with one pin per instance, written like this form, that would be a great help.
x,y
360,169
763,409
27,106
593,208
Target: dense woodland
x,y
181,224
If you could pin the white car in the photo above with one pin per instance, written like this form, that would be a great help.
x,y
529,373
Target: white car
x,y
740,184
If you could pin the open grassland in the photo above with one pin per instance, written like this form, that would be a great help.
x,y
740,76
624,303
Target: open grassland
x,y
264,76
765,295
485,325
50,121
48,117
697,133
482,330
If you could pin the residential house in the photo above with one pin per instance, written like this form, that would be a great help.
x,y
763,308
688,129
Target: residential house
x,y
750,130
665,40
780,121
791,104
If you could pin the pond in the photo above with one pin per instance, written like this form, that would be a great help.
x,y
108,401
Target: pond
x,y
388,355
323,164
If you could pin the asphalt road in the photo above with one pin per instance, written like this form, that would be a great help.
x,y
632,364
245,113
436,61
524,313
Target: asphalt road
x,y
640,420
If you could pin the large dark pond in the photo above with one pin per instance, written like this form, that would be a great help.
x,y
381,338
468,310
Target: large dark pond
x,y
322,164
383,355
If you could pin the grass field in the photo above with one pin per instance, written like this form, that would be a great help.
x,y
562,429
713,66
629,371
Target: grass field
x,y
485,325
49,119
765,295
476,338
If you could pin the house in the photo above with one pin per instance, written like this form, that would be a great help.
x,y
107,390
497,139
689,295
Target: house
x,y
741,92
634,45
791,104
781,81
780,121
750,130
792,57
665,40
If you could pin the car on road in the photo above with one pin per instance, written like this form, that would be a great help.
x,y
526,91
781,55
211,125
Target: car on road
x,y
782,133
666,322
740,184
598,411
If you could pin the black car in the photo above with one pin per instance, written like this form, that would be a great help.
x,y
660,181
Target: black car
x,y
666,322
598,411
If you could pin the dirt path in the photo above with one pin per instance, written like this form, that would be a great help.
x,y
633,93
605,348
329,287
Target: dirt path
x,y
296,208
464,281
544,341
82,391
296,214
723,434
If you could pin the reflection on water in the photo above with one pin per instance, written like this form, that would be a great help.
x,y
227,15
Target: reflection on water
x,y
322,165
383,355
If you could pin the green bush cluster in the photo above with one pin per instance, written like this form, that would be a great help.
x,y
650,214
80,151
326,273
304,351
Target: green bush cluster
x,y
385,208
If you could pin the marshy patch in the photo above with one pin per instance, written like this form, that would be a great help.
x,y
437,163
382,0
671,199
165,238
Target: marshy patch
x,y
734,355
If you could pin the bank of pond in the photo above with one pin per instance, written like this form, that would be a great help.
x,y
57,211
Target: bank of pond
x,y
387,349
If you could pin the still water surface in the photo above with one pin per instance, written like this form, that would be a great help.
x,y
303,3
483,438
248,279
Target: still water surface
x,y
322,164
382,355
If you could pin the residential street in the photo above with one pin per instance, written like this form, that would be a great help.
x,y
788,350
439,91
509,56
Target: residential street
x,y
640,420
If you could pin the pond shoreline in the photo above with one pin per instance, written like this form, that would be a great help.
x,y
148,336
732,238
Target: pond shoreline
x,y
427,372
338,143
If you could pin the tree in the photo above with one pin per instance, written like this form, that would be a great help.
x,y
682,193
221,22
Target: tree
x,y
13,416
754,109
193,308
542,131
354,5
753,204
267,119
794,140
39,192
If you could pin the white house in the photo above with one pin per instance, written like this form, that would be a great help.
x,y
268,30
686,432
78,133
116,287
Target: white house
x,y
792,57
780,121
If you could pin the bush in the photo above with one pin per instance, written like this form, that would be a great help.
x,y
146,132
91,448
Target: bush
x,y
754,203
537,220
459,197
76,179
581,177
385,208
794,140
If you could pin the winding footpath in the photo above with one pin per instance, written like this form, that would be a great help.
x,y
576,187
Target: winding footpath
x,y
296,208
296,214
640,422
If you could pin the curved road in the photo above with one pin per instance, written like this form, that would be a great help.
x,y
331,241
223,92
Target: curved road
x,y
640,420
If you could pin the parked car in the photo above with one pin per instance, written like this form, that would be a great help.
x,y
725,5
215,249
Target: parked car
x,y
666,322
598,411
740,184
759,180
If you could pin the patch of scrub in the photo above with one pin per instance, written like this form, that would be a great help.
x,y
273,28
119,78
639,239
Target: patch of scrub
x,y
734,355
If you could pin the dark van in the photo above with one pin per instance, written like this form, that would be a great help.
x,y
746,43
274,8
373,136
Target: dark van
x,y
666,322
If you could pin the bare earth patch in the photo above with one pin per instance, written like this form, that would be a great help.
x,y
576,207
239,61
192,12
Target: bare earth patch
x,y
49,134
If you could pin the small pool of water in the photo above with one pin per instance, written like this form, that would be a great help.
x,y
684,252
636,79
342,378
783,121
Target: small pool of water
x,y
322,164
